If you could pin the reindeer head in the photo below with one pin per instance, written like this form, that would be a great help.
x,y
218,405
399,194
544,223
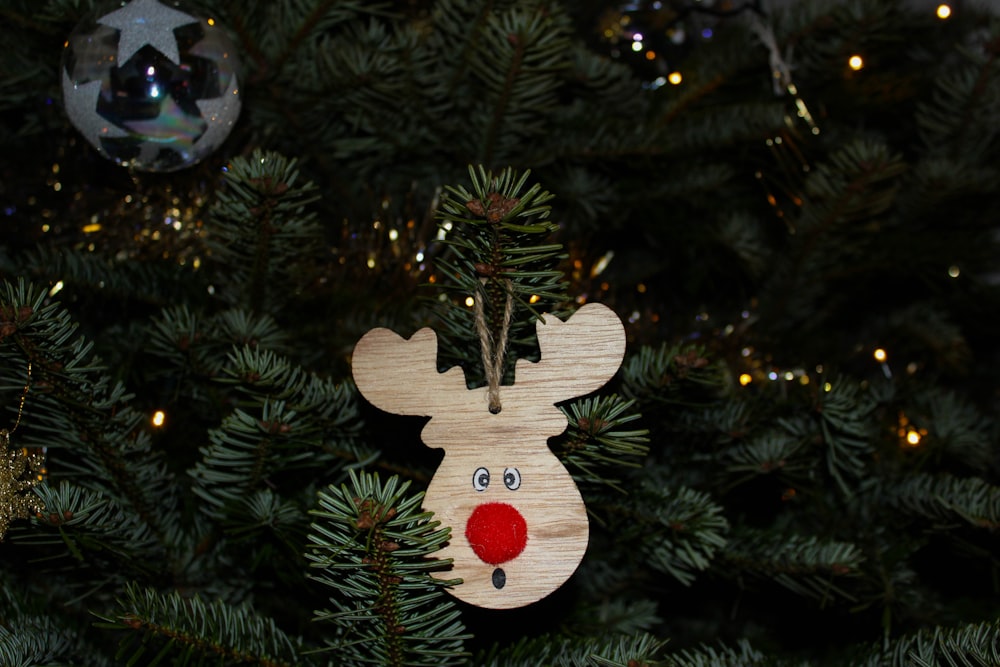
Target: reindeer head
x,y
519,525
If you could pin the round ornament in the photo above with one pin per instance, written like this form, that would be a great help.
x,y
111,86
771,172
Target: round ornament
x,y
150,85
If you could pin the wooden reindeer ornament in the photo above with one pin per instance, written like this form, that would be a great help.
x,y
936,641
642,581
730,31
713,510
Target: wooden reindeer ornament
x,y
519,525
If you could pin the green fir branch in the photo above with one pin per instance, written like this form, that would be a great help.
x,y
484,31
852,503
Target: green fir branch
x,y
677,375
740,655
88,529
246,452
374,547
672,529
497,239
771,452
39,640
596,444
191,631
263,231
34,632
518,61
946,499
973,645
844,415
74,402
605,650
964,96
617,616
804,564
154,281
286,421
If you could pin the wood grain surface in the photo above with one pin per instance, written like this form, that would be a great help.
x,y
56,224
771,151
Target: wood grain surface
x,y
578,356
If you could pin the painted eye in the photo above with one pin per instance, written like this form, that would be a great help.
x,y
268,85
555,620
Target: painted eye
x,y
480,479
511,478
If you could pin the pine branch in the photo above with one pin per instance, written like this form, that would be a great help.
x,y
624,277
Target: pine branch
x,y
595,447
617,616
193,346
74,402
672,529
772,451
741,655
373,546
672,376
805,565
290,421
959,435
946,499
607,650
973,645
263,231
964,97
87,529
33,632
497,239
195,632
155,281
844,412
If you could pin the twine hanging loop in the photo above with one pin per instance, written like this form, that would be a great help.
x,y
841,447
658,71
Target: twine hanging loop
x,y
493,350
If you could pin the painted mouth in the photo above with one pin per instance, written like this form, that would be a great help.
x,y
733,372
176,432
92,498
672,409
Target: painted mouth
x,y
499,578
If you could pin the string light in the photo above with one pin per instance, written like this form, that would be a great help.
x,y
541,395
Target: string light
x,y
910,435
879,354
855,62
469,301
675,78
745,379
601,264
943,11
159,417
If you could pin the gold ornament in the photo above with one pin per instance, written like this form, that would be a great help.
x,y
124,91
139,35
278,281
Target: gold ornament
x,y
20,471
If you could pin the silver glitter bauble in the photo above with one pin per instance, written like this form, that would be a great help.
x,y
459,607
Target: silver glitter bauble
x,y
150,85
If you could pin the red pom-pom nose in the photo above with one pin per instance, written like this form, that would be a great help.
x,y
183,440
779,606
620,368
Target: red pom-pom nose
x,y
497,532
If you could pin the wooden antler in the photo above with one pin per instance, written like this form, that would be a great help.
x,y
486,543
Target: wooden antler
x,y
400,375
578,356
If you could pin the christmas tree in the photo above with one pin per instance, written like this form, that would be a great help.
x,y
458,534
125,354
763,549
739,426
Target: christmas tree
x,y
792,209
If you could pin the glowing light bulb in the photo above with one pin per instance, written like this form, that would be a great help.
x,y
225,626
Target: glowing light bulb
x,y
855,62
159,417
912,438
943,11
469,301
879,354
675,78
745,379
